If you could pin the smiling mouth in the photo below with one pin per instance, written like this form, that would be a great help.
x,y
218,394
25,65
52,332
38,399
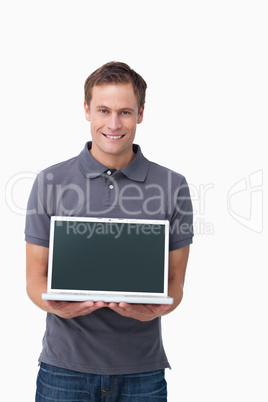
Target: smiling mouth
x,y
113,137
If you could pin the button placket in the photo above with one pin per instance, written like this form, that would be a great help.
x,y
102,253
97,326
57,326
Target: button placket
x,y
109,179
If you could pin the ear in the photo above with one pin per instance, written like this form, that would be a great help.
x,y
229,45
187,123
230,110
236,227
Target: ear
x,y
140,115
87,114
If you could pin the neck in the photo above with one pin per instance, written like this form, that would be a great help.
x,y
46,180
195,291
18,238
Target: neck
x,y
112,161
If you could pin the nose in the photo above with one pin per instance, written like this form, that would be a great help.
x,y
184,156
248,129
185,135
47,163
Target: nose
x,y
114,122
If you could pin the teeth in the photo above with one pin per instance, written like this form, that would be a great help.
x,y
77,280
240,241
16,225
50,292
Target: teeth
x,y
113,137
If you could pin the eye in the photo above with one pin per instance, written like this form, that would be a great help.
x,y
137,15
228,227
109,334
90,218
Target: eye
x,y
125,112
104,111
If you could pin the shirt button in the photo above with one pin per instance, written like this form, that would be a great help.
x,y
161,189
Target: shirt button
x,y
111,186
109,172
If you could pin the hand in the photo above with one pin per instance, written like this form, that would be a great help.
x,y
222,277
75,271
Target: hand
x,y
73,309
141,312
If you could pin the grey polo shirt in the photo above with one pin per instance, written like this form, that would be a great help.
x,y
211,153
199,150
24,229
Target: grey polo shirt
x,y
105,342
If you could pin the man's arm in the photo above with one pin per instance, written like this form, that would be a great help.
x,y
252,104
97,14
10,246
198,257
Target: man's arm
x,y
146,312
36,273
36,281
177,269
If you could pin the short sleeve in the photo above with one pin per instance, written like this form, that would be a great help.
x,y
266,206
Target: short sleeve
x,y
181,222
37,224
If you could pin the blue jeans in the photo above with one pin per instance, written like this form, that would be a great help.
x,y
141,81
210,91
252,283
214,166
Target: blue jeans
x,y
57,384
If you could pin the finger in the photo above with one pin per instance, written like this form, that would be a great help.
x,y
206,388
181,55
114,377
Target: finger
x,y
158,307
120,311
113,305
131,310
101,304
74,309
123,309
89,306
126,306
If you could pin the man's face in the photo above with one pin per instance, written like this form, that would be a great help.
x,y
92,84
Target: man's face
x,y
114,115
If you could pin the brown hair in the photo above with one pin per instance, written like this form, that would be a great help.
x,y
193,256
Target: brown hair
x,y
116,73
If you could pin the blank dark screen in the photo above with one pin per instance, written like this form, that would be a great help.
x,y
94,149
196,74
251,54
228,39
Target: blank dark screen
x,y
108,256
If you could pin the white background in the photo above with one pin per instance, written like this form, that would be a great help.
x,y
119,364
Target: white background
x,y
205,63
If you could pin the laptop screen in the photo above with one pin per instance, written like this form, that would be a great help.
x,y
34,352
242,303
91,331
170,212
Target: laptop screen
x,y
108,255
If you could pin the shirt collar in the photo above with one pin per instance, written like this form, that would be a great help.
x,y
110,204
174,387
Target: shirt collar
x,y
136,170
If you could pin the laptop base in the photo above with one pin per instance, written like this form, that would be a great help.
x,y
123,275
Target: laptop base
x,y
108,298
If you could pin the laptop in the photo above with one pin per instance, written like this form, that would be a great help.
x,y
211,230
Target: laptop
x,y
109,260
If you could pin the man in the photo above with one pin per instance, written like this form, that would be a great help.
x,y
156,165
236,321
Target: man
x,y
106,351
